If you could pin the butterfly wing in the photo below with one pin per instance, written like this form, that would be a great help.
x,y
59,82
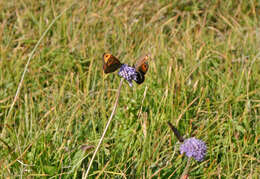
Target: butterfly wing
x,y
110,63
142,64
141,67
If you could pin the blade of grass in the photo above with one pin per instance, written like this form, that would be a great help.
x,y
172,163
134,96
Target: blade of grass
x,y
26,67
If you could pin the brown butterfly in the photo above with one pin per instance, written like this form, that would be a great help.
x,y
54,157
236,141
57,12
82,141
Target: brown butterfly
x,y
141,67
110,63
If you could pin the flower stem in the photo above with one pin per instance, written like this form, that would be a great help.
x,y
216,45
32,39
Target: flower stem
x,y
105,130
186,170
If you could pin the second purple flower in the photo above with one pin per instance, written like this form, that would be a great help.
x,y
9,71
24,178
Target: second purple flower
x,y
195,148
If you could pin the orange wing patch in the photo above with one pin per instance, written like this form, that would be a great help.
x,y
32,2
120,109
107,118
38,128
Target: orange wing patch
x,y
110,63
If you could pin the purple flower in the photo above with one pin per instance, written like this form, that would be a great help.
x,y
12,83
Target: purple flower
x,y
195,148
128,73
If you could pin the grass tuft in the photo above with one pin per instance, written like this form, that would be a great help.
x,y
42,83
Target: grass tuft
x,y
55,100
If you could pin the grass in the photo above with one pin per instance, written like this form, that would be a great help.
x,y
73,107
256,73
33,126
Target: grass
x,y
204,77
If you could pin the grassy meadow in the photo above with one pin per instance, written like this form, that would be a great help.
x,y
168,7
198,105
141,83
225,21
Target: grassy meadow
x,y
55,100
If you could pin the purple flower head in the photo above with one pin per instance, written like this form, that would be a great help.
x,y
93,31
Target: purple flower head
x,y
128,73
195,148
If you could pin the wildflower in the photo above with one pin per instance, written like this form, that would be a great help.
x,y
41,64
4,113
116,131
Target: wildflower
x,y
195,148
128,73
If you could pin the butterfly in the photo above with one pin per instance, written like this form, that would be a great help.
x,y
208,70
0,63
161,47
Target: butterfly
x,y
110,63
141,68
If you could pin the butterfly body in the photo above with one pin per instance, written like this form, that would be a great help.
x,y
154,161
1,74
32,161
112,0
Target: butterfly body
x,y
141,67
110,63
